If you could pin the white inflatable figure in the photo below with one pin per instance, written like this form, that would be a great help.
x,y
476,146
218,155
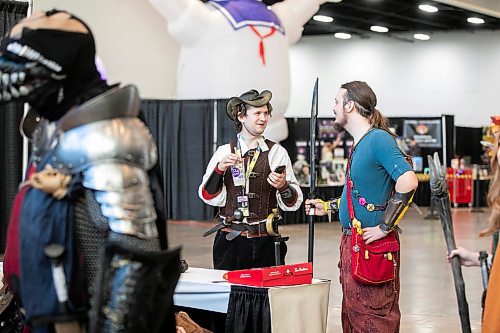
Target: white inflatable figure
x,y
231,46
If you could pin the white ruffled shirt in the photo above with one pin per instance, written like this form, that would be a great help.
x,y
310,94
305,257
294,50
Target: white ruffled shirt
x,y
277,156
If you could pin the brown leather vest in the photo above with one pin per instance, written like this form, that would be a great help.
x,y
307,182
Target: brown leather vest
x,y
262,196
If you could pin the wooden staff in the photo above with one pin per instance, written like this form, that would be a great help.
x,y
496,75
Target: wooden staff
x,y
441,199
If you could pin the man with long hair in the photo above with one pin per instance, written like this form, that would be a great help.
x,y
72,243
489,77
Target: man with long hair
x,y
491,314
380,184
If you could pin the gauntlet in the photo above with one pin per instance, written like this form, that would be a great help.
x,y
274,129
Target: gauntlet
x,y
396,208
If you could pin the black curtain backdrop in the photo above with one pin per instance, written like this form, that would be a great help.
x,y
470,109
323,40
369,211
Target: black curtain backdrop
x,y
469,143
184,133
11,143
226,131
290,143
449,123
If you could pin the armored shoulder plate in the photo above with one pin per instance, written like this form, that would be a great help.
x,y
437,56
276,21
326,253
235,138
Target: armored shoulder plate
x,y
114,103
121,139
105,141
104,129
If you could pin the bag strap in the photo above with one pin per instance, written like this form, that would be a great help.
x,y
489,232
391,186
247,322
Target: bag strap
x,y
354,221
350,207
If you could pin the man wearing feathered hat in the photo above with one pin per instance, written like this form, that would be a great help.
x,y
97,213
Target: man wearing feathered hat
x,y
248,178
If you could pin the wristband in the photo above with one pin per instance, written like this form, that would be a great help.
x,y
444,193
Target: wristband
x,y
326,205
283,189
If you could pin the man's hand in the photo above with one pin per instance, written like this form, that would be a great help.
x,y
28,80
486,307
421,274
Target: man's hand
x,y
228,161
319,207
371,234
277,180
467,258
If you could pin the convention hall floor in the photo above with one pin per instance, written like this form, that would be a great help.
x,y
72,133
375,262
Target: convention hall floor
x,y
428,302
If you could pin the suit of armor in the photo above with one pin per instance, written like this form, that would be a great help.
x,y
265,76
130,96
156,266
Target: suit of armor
x,y
83,241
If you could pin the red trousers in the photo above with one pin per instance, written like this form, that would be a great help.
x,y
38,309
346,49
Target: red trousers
x,y
367,309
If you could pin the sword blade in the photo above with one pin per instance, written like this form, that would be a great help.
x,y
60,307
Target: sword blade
x,y
312,167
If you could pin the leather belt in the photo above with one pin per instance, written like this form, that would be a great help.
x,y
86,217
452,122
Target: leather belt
x,y
248,230
252,228
246,233
236,229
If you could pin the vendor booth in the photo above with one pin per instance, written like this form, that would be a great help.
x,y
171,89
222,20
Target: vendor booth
x,y
253,309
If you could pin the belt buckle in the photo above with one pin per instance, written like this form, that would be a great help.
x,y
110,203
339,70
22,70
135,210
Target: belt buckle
x,y
256,234
253,235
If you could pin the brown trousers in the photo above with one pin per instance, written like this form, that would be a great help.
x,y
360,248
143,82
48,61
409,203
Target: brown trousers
x,y
367,309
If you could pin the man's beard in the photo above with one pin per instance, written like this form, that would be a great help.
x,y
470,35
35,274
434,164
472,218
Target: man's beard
x,y
340,126
254,132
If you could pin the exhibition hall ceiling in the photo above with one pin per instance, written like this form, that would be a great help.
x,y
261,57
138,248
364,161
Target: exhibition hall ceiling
x,y
400,19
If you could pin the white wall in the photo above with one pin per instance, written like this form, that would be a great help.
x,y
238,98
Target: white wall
x,y
488,7
131,40
453,73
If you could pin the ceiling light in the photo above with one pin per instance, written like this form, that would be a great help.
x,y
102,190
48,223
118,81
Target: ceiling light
x,y
428,8
421,36
323,18
334,1
475,20
378,28
342,35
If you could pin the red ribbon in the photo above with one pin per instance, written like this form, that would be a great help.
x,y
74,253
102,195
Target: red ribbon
x,y
261,43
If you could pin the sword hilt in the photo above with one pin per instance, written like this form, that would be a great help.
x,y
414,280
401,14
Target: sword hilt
x,y
485,272
56,252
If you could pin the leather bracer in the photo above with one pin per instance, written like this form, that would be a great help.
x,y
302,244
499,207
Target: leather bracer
x,y
334,204
396,208
214,183
331,206
288,195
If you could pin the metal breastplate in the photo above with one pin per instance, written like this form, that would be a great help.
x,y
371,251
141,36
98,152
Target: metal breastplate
x,y
261,197
113,150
